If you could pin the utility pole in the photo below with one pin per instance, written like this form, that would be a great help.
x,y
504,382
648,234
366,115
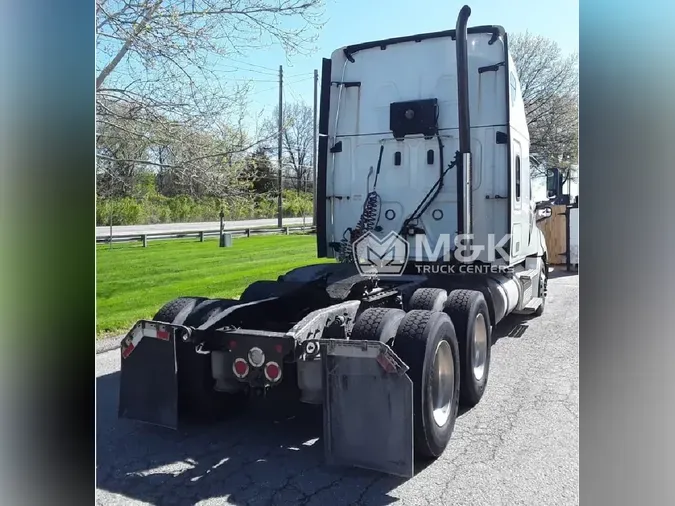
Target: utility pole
x,y
314,146
280,140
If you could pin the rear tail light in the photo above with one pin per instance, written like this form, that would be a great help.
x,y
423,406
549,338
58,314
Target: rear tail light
x,y
240,368
273,372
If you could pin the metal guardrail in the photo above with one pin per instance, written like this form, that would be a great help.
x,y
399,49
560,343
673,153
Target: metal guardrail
x,y
201,234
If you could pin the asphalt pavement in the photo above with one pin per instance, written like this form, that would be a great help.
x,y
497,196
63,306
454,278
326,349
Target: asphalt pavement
x,y
195,227
519,445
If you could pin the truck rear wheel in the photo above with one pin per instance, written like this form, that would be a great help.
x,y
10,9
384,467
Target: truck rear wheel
x,y
543,288
469,313
171,310
426,342
196,396
377,324
428,299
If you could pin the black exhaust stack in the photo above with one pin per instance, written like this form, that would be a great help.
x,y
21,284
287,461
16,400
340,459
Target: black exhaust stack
x,y
464,175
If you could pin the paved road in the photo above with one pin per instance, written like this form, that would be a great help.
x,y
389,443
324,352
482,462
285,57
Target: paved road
x,y
204,225
520,445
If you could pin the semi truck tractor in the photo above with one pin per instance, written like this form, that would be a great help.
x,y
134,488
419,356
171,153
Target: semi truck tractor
x,y
423,201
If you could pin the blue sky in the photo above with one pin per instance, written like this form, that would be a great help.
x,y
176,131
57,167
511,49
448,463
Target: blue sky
x,y
354,21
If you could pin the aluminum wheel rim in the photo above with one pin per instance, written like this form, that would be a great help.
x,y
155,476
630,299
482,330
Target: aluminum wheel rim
x,y
480,345
443,383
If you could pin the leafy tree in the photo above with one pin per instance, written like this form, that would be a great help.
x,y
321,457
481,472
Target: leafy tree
x,y
261,172
550,86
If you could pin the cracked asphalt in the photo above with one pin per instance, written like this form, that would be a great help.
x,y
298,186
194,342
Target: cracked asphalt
x,y
520,445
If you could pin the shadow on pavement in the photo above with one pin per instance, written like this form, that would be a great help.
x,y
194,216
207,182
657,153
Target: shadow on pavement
x,y
263,456
513,326
251,459
560,271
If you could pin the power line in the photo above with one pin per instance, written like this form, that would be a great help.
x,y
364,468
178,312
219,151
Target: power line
x,y
276,87
249,80
295,97
298,75
263,91
301,80
253,65
249,70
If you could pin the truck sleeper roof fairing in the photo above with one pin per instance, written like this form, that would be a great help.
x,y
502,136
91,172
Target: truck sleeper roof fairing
x,y
349,51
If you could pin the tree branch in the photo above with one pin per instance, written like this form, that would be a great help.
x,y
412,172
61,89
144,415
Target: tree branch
x,y
185,162
127,45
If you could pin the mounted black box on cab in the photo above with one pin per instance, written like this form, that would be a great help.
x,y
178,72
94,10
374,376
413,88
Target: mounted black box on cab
x,y
414,117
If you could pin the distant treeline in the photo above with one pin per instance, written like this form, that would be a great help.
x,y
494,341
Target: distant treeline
x,y
181,209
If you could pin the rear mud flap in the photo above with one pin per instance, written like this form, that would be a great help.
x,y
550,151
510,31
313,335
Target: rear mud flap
x,y
368,407
148,376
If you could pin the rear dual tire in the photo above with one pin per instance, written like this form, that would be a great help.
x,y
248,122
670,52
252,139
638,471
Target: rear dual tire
x,y
196,395
429,299
426,342
377,324
469,313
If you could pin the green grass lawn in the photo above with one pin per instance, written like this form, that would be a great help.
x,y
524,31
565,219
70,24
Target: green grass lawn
x,y
134,282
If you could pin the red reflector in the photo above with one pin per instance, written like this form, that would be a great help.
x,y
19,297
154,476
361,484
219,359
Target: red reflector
x,y
240,367
163,334
272,371
233,345
279,348
385,363
127,351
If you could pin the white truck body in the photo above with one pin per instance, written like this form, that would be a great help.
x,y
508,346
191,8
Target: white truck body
x,y
357,120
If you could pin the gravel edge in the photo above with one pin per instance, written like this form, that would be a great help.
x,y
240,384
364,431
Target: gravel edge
x,y
108,343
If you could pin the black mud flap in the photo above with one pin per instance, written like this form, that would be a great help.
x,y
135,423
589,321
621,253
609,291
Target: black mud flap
x,y
148,377
368,407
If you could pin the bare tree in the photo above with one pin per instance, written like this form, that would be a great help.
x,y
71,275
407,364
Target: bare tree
x,y
124,142
161,85
297,141
549,81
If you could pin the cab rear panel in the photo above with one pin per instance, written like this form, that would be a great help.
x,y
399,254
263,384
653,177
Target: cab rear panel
x,y
369,90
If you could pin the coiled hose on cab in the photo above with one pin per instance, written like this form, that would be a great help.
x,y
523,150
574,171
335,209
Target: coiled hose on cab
x,y
370,217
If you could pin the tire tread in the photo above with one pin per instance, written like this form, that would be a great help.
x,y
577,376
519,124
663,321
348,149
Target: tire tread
x,y
367,325
169,311
424,298
459,307
411,345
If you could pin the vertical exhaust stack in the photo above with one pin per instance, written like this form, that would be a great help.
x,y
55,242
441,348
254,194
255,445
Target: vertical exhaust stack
x,y
463,176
